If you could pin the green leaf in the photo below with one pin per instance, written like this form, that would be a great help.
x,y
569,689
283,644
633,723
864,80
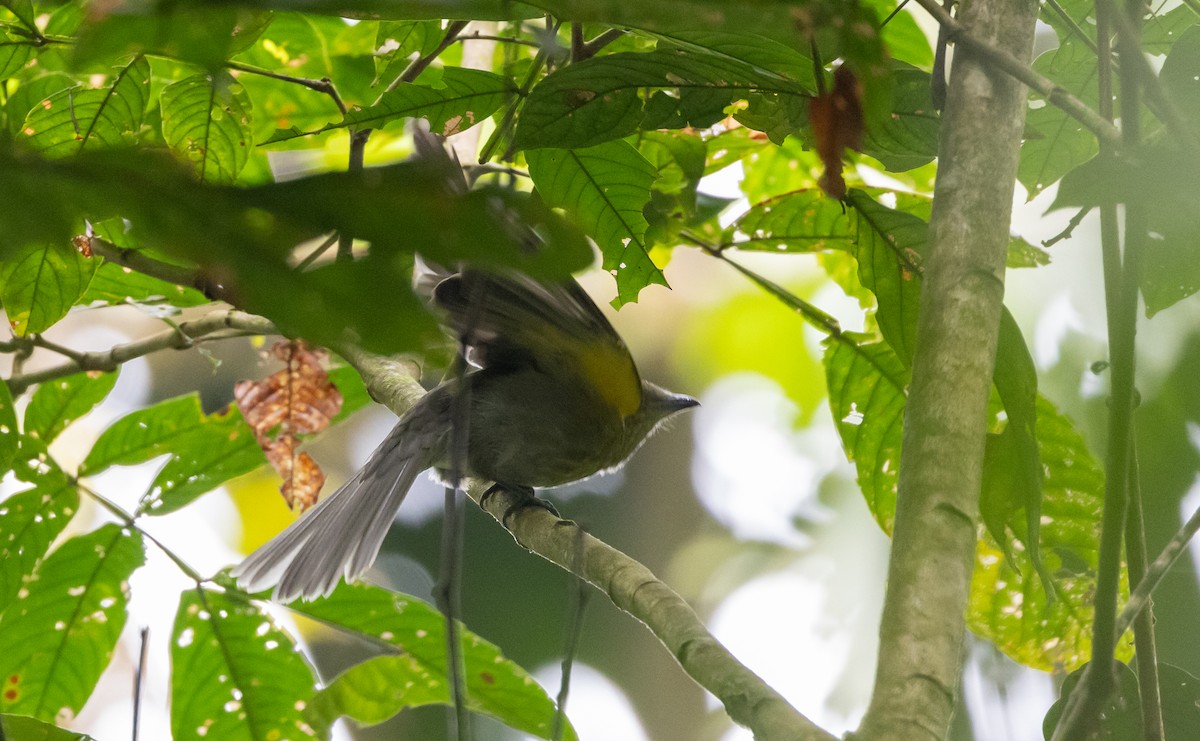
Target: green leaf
x,y
397,41
221,448
495,685
747,48
202,34
9,434
1162,30
206,120
58,636
610,97
904,39
29,523
604,188
235,674
114,284
1122,719
908,137
1167,185
867,384
15,53
147,433
31,729
247,235
801,221
1179,75
1022,254
58,403
678,159
32,90
1055,143
466,97
23,10
74,119
40,283
354,392
888,250
1008,603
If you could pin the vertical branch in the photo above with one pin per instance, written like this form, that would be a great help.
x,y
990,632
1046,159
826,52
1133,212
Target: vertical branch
x,y
937,511
1149,689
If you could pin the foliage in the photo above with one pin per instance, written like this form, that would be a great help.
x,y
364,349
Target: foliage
x,y
170,138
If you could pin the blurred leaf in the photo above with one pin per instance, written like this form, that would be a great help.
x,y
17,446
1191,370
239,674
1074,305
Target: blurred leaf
x,y
749,48
354,392
1120,718
235,674
678,159
867,393
1054,142
1022,254
243,237
60,402
204,34
206,120
464,98
600,99
114,284
729,147
23,10
29,93
31,729
74,119
9,433
604,188
1161,30
904,39
495,685
1078,11
40,283
15,53
1008,603
33,465
29,523
58,636
1167,184
1179,75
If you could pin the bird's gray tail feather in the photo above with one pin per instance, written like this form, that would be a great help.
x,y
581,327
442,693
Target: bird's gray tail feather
x,y
341,535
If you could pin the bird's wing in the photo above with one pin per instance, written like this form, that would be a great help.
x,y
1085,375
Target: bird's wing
x,y
513,320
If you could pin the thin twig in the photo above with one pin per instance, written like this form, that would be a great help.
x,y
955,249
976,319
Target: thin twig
x,y
590,48
1070,229
419,64
577,604
138,673
1140,597
138,260
323,85
183,336
510,113
1144,641
1066,18
1010,65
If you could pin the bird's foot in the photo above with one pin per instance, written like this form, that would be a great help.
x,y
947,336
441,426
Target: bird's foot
x,y
525,498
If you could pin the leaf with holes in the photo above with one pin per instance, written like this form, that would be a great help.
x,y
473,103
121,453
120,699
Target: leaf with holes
x,y
235,673
59,634
40,283
604,188
206,121
1008,604
60,402
495,685
610,97
75,119
867,393
29,523
464,98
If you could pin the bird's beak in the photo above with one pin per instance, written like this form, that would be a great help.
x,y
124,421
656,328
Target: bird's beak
x,y
675,403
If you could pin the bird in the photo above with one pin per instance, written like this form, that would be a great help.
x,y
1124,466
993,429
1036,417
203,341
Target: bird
x,y
553,396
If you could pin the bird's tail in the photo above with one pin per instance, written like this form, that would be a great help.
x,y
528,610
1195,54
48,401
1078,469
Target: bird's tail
x,y
341,535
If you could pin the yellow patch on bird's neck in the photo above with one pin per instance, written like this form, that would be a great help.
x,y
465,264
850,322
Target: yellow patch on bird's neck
x,y
610,371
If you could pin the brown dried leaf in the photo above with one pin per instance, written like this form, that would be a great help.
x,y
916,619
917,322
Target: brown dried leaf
x,y
297,400
836,117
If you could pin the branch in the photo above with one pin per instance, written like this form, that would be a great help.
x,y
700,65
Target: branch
x,y
630,585
945,420
323,85
1010,65
1140,597
139,261
183,336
